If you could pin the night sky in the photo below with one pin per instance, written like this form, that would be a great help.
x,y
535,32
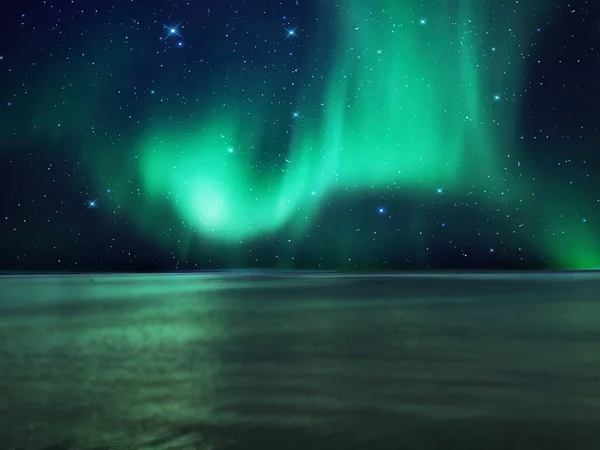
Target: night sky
x,y
347,134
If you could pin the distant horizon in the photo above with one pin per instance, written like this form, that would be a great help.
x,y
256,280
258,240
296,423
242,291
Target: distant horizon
x,y
300,271
160,266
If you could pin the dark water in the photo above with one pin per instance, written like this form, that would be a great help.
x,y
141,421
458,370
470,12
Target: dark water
x,y
291,361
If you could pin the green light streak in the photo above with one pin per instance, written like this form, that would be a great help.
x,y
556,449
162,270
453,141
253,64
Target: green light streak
x,y
406,104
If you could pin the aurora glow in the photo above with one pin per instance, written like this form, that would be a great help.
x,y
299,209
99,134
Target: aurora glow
x,y
410,99
421,109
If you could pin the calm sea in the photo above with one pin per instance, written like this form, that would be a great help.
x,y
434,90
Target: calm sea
x,y
300,361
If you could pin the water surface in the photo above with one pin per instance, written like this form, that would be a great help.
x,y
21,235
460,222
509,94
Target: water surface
x,y
300,360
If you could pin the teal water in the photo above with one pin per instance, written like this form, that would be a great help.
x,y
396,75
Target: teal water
x,y
300,360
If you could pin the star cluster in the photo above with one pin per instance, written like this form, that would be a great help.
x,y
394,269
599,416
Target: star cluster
x,y
171,135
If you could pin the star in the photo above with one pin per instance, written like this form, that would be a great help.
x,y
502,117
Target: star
x,y
381,210
230,150
497,97
439,191
173,31
291,32
296,115
92,204
423,22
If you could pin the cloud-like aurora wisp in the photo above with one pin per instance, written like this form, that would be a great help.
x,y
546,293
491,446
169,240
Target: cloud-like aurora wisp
x,y
392,96
404,103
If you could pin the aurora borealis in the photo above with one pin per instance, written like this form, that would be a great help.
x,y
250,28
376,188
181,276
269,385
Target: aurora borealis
x,y
380,134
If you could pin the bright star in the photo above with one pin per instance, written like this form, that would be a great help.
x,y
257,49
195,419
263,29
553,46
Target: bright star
x,y
423,21
497,97
230,150
439,191
173,31
296,114
92,204
291,32
381,210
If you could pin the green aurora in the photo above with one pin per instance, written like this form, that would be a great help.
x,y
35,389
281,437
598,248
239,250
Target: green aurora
x,y
395,111
406,102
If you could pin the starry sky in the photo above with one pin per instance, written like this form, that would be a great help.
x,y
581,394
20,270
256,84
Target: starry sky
x,y
347,134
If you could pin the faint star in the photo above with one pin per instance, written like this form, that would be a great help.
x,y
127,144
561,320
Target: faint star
x,y
290,32
230,150
443,224
173,31
584,220
492,250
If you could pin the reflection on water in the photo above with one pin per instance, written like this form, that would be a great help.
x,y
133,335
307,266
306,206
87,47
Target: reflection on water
x,y
271,361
